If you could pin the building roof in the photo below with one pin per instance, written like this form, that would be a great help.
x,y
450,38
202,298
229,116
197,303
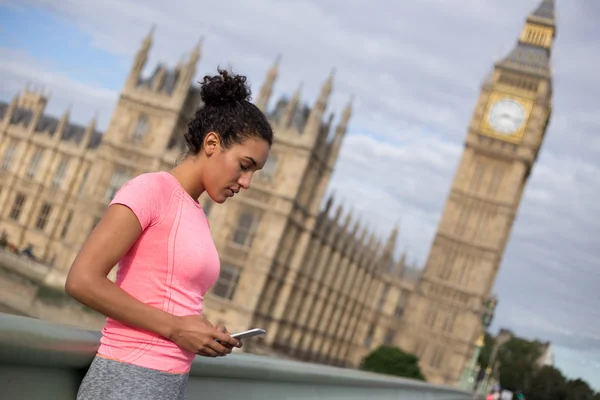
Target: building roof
x,y
48,124
168,83
299,118
527,58
545,10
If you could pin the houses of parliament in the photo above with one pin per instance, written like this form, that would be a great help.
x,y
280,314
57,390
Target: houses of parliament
x,y
292,261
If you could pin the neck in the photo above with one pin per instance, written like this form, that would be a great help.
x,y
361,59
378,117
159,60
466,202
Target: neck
x,y
188,174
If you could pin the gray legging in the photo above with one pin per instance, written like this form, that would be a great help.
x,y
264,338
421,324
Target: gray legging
x,y
112,380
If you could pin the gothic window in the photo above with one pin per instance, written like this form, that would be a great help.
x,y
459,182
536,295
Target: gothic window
x,y
8,155
369,338
390,336
65,228
445,269
431,316
419,348
449,322
15,212
382,297
477,175
83,181
437,357
35,161
60,173
399,306
227,283
42,218
496,180
244,231
117,180
141,128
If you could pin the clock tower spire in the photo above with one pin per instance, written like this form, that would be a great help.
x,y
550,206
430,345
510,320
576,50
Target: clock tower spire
x,y
444,316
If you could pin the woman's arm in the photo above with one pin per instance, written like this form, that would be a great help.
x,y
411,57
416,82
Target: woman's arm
x,y
88,283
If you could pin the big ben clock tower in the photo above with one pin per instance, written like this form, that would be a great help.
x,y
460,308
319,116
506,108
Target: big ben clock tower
x,y
444,317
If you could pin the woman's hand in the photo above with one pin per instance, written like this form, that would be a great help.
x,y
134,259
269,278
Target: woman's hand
x,y
196,334
222,328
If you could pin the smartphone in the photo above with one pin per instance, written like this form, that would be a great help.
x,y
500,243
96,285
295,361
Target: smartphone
x,y
249,333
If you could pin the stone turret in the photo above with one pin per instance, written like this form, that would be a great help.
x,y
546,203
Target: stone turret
x,y
267,88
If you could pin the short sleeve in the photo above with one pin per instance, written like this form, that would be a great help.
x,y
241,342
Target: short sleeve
x,y
143,196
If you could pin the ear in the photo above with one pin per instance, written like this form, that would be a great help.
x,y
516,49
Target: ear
x,y
212,142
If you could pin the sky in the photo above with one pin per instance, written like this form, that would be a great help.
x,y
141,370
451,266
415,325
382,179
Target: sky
x,y
415,69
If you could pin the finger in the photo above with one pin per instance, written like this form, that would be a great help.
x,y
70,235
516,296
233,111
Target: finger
x,y
226,339
221,328
218,348
207,352
240,344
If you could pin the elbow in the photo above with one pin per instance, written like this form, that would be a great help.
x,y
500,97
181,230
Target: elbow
x,y
71,286
76,286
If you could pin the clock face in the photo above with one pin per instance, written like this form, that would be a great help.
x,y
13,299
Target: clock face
x,y
506,116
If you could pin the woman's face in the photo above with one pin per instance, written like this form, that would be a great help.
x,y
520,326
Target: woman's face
x,y
230,170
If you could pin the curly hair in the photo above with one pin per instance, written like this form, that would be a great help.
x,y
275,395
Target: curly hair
x,y
227,111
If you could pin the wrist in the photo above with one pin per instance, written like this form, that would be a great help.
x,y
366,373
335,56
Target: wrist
x,y
170,327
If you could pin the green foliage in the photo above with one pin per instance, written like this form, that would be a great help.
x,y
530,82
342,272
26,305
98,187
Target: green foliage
x,y
578,389
517,359
519,371
548,383
392,361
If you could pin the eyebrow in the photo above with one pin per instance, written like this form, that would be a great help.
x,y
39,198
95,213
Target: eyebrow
x,y
252,160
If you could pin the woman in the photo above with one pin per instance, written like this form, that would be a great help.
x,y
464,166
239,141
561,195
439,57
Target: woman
x,y
156,231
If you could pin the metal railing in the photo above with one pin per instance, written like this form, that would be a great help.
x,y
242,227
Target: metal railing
x,y
43,360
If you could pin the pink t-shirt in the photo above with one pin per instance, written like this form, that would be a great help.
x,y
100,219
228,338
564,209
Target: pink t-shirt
x,y
171,267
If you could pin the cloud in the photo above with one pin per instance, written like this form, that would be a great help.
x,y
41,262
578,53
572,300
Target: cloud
x,y
18,69
415,69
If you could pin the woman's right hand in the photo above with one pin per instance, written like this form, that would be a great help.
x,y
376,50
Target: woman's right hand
x,y
196,334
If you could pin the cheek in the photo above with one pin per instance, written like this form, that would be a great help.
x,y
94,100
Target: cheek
x,y
232,170
225,172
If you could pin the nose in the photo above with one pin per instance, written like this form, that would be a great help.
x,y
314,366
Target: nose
x,y
244,180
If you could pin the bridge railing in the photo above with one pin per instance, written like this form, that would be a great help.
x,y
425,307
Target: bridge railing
x,y
43,360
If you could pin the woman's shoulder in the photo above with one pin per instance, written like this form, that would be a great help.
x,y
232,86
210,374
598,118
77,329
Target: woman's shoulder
x,y
153,181
150,188
148,195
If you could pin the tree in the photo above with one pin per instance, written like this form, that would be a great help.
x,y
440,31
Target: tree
x,y
519,372
548,383
579,389
392,361
518,363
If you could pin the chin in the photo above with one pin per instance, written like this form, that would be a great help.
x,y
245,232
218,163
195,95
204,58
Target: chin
x,y
220,199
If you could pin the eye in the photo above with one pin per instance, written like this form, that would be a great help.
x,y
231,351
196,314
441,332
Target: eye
x,y
244,167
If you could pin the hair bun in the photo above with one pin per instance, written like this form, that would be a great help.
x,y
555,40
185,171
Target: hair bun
x,y
225,88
